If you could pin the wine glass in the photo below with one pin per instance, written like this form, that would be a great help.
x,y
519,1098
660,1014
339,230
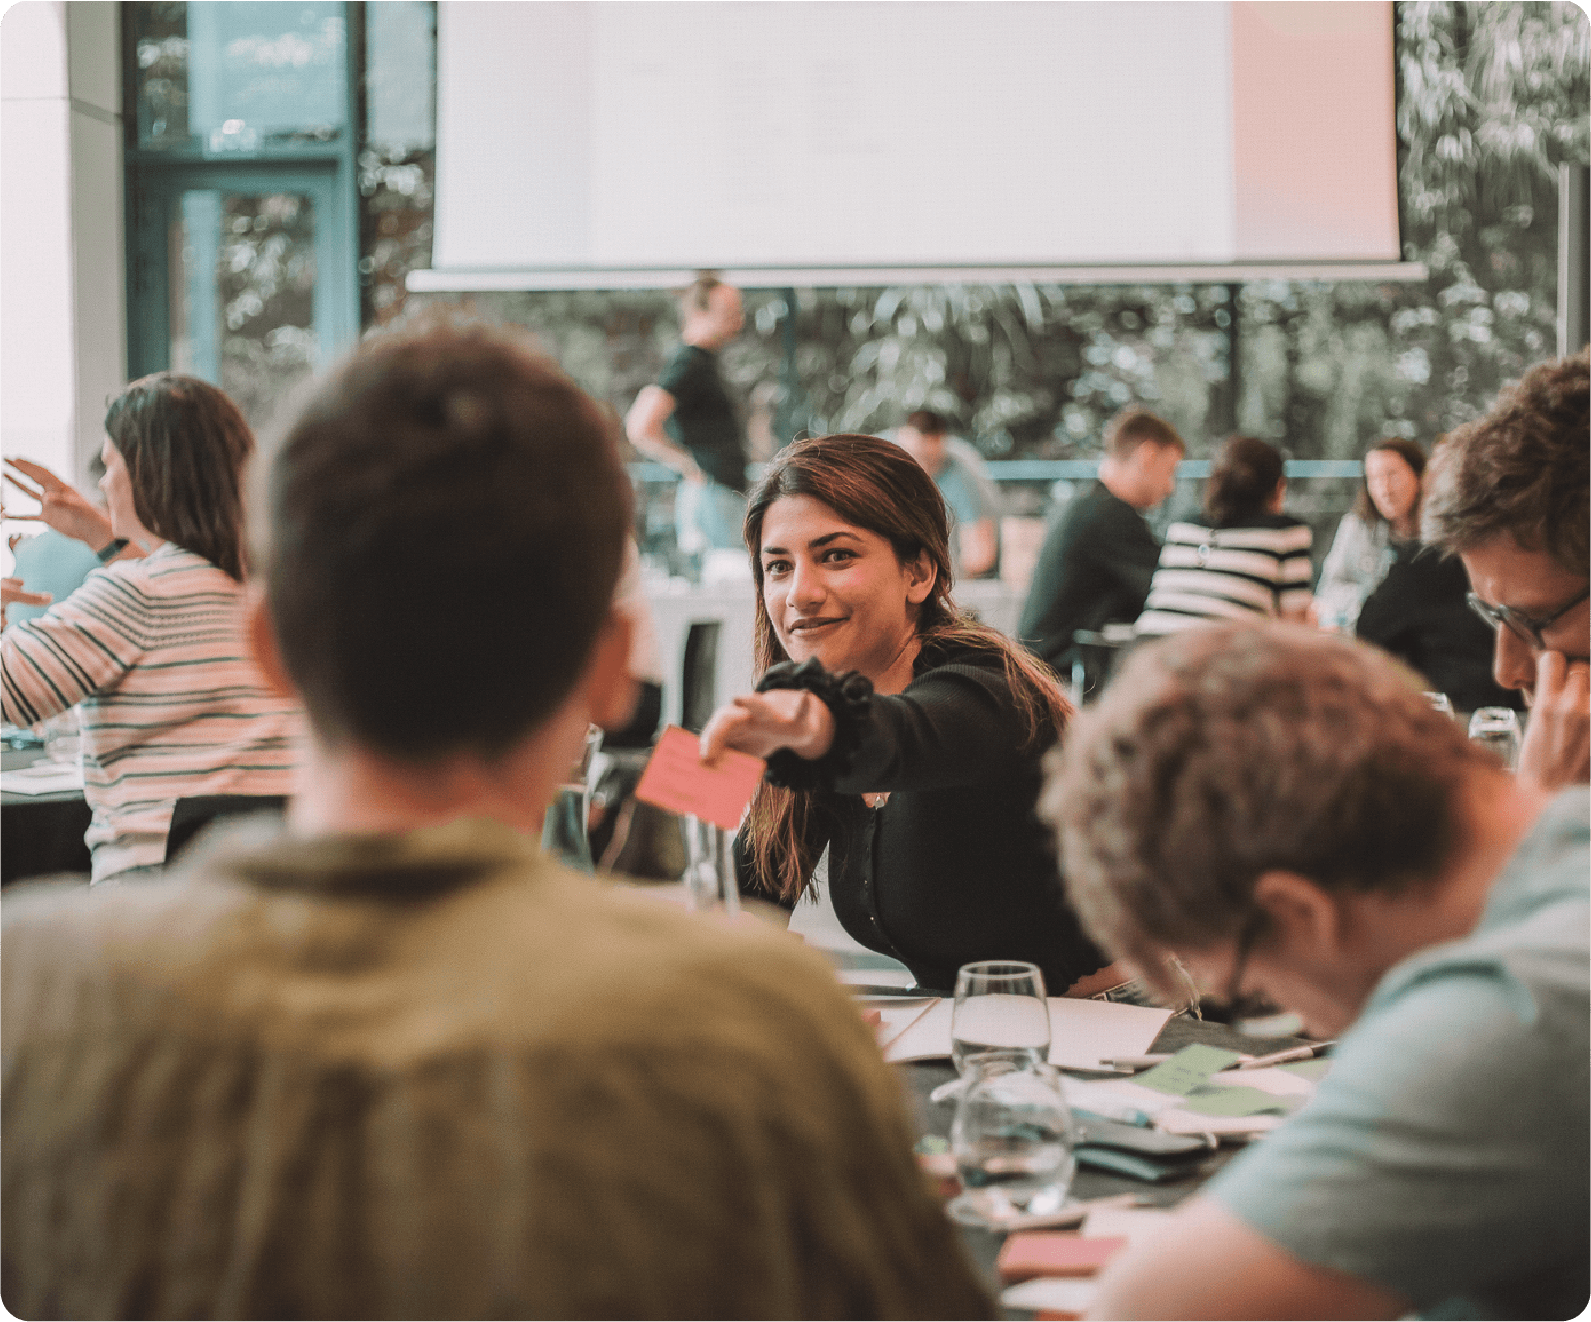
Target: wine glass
x,y
1497,728
1000,1006
1012,1139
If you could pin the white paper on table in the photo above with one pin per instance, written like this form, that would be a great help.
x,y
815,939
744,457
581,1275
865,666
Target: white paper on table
x,y
1082,1033
1051,1294
1111,1097
1174,1120
897,1015
43,778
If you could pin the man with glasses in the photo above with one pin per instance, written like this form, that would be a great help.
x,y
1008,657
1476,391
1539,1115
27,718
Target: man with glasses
x,y
1508,494
1282,811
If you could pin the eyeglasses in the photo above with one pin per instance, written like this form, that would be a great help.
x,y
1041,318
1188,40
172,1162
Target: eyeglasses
x,y
1522,626
1241,1004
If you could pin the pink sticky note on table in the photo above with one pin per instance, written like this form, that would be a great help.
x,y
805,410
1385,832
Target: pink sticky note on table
x,y
678,780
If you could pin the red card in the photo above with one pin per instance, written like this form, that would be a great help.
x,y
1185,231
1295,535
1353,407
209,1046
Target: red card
x,y
1055,1253
677,779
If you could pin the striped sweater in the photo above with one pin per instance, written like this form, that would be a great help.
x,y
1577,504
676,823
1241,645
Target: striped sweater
x,y
152,654
1228,574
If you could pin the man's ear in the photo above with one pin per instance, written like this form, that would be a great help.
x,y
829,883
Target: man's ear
x,y
611,690
1305,919
259,633
921,575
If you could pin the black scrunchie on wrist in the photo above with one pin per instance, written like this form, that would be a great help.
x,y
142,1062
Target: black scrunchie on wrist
x,y
846,696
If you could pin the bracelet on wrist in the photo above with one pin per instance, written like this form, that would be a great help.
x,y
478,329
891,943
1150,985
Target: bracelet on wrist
x,y
847,696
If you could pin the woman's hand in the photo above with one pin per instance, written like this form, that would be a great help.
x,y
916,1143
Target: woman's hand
x,y
61,506
12,593
762,723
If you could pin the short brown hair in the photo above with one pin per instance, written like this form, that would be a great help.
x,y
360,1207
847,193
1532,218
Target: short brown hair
x,y
446,521
1230,750
927,423
1133,426
1521,471
699,293
186,446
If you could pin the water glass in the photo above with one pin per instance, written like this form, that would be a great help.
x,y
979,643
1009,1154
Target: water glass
x,y
1001,1005
710,878
1012,1139
1497,728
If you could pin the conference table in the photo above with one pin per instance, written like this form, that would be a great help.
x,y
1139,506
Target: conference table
x,y
933,1118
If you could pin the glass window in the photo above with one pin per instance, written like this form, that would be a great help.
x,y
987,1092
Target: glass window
x,y
240,76
242,286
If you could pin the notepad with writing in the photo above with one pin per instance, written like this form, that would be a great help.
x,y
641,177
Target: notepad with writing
x,y
1082,1033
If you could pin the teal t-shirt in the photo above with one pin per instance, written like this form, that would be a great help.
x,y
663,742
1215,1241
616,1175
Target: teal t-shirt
x,y
1445,1155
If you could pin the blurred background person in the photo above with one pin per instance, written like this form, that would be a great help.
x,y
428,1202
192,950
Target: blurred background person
x,y
688,422
1512,499
1099,556
1282,811
1386,512
900,737
959,472
1420,613
1248,558
148,649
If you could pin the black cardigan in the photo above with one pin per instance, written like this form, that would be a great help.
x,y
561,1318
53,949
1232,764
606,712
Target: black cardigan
x,y
956,866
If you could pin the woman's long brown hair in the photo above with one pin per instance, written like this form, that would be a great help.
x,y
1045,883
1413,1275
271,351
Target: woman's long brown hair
x,y
875,485
185,445
1413,455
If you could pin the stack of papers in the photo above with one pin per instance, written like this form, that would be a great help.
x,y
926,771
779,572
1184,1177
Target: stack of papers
x,y
44,778
1187,1095
1082,1033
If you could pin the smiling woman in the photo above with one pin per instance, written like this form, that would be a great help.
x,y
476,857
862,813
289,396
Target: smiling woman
x,y
901,736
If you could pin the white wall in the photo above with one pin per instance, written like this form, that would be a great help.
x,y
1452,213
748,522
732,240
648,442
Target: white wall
x,y
62,318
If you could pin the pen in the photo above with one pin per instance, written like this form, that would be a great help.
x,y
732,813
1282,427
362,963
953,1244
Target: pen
x,y
1135,1062
1306,1052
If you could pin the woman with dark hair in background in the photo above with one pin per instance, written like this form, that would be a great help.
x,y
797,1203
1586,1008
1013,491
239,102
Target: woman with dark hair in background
x,y
1248,558
149,648
1419,611
1385,512
902,737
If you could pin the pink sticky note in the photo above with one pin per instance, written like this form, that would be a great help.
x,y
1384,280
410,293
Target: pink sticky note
x,y
677,779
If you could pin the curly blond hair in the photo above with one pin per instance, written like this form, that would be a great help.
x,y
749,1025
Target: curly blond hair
x,y
1228,751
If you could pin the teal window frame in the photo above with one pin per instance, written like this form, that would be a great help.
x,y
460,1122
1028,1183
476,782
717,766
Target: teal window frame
x,y
156,178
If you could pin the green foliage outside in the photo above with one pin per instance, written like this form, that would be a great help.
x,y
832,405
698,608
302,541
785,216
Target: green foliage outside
x,y
1492,98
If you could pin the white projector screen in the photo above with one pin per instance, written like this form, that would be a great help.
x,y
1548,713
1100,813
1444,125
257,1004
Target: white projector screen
x,y
808,137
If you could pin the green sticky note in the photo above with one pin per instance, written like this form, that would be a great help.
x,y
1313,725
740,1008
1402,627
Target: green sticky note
x,y
1313,1070
1236,1101
1190,1068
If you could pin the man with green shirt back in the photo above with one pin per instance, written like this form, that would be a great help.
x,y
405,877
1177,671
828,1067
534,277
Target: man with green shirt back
x,y
392,1060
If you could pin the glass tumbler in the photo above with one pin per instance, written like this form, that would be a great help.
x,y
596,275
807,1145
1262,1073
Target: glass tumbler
x,y
1498,729
1012,1139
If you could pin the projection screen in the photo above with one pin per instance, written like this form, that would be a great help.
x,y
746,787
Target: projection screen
x,y
614,143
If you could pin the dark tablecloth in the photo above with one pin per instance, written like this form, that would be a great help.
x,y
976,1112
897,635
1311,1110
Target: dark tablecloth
x,y
40,834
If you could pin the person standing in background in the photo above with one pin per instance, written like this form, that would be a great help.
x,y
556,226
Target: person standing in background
x,y
1386,513
957,470
1099,555
688,422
